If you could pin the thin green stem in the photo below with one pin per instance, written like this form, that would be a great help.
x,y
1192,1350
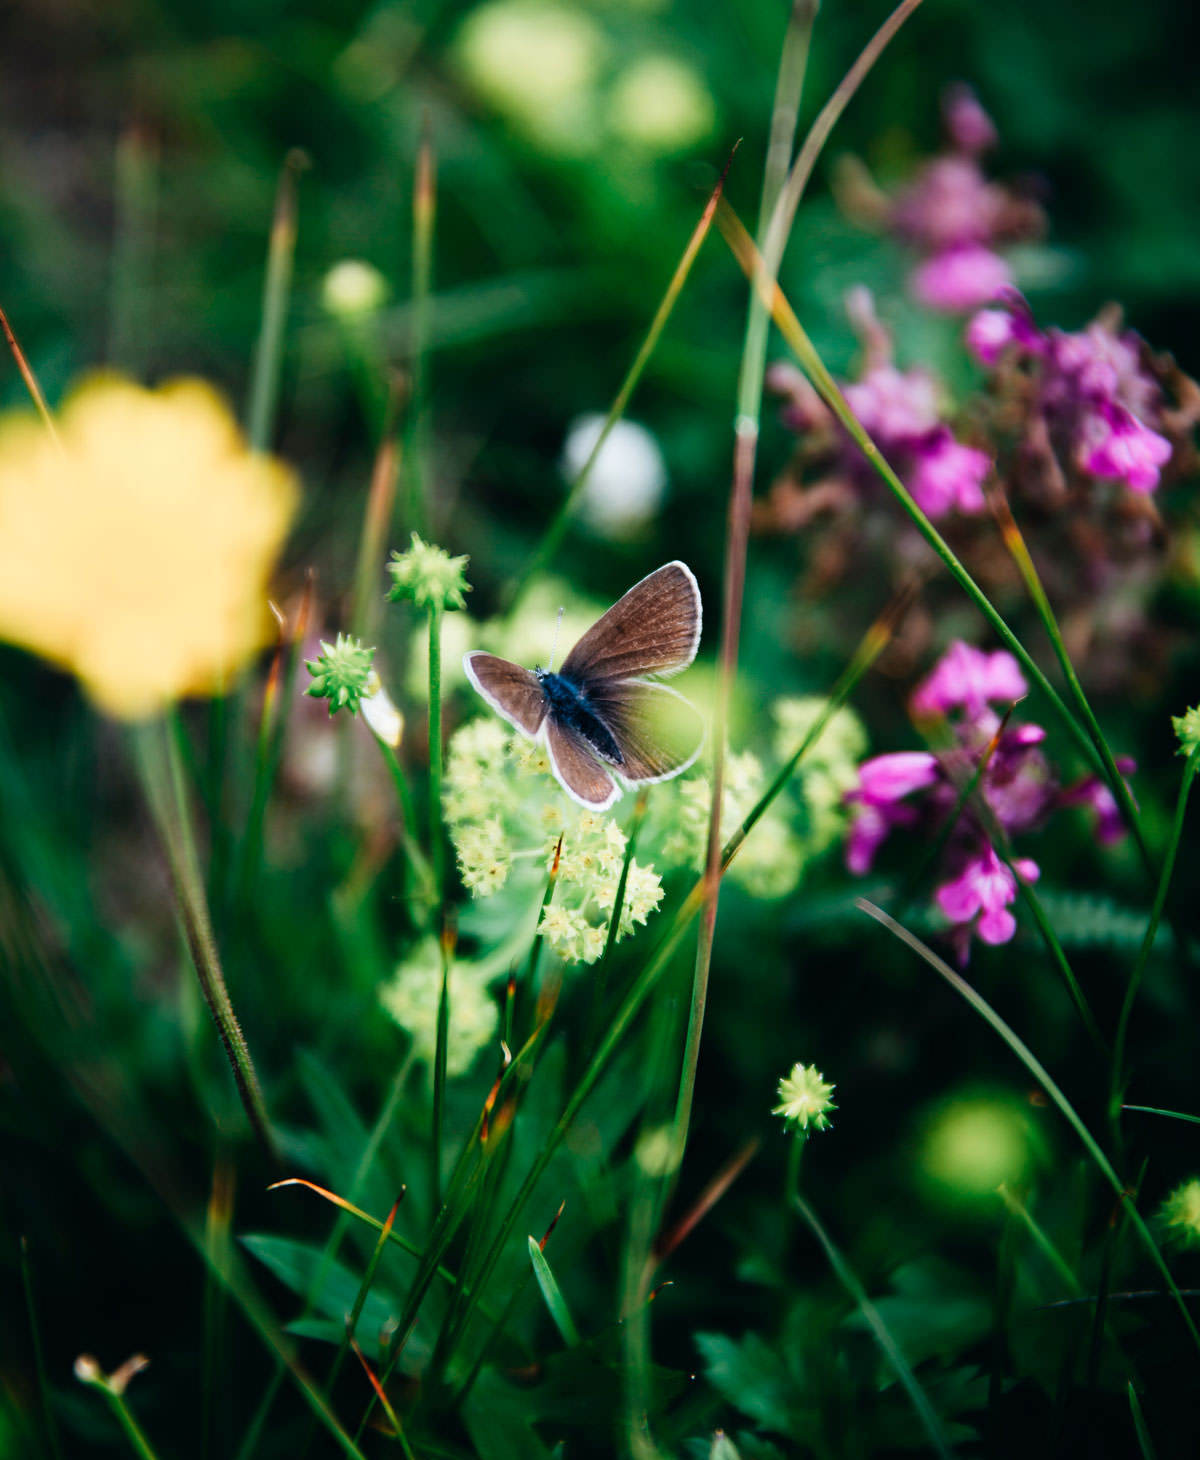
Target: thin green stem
x,y
437,841
113,1389
417,464
437,856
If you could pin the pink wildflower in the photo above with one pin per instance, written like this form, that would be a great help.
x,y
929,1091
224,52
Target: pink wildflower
x,y
968,679
984,888
949,476
960,278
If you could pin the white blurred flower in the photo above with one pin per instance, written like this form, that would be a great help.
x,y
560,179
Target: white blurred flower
x,y
626,485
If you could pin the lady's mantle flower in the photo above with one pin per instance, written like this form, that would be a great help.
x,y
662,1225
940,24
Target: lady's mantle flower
x,y
412,997
903,413
804,1098
429,576
1180,1213
135,550
1015,790
506,818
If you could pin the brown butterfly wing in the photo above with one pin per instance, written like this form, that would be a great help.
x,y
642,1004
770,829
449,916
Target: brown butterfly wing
x,y
510,690
579,773
660,732
653,629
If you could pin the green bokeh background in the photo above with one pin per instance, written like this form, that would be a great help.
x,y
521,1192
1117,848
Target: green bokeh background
x,y
548,268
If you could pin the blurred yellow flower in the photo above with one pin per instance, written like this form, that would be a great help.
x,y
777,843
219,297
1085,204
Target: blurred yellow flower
x,y
135,550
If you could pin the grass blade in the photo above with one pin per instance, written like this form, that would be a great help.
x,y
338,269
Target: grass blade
x,y
874,1320
277,285
552,1293
1042,1076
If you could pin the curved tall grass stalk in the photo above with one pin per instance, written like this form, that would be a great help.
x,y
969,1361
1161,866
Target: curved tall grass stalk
x,y
792,190
553,536
1154,1110
157,759
883,1336
1117,1083
742,246
1019,1210
277,288
780,197
1042,1076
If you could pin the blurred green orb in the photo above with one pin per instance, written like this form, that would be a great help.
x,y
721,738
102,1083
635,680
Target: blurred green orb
x,y
660,104
974,1145
536,63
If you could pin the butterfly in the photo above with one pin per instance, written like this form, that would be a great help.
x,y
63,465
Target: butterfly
x,y
605,725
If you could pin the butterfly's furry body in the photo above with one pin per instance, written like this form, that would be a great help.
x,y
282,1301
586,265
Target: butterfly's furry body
x,y
570,703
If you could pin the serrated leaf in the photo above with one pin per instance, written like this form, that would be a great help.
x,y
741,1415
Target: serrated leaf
x,y
750,1374
932,1311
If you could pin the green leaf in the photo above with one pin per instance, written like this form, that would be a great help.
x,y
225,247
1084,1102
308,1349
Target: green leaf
x,y
499,1419
552,1293
932,1312
297,1265
751,1375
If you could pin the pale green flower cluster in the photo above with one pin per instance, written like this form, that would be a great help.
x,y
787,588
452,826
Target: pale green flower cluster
x,y
412,996
1180,1214
504,809
802,822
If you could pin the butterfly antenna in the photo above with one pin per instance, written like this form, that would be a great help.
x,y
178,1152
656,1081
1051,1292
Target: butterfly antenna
x,y
554,645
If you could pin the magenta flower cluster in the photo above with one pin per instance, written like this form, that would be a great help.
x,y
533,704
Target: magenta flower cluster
x,y
903,413
1092,396
955,217
1016,790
